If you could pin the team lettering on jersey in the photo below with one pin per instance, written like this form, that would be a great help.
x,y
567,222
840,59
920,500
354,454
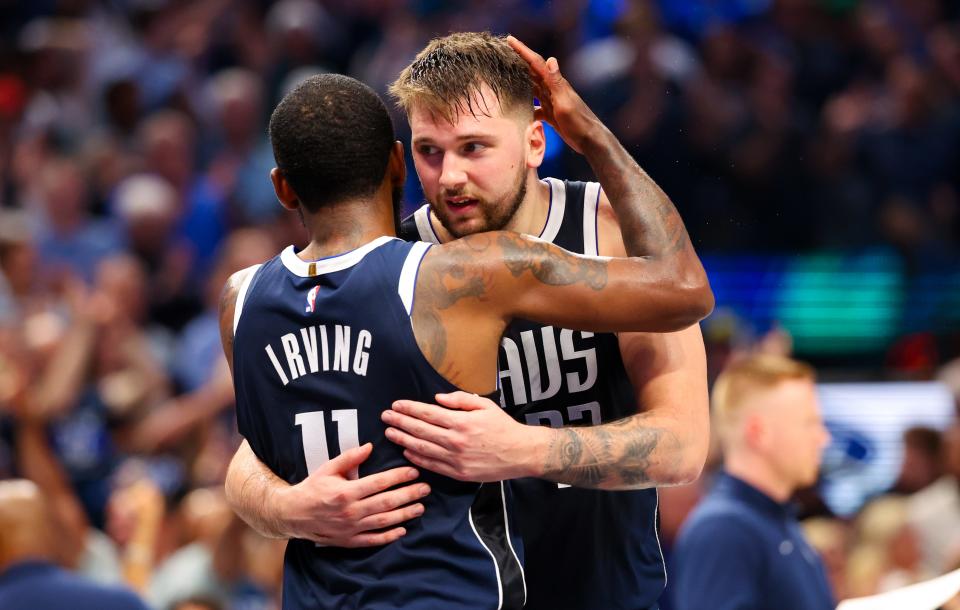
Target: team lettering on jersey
x,y
566,363
309,351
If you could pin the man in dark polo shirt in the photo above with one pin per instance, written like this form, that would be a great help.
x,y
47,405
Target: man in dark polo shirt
x,y
29,580
742,548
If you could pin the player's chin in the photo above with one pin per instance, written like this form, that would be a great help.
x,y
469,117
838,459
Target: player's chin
x,y
468,226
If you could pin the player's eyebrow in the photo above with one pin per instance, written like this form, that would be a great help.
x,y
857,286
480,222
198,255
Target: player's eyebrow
x,y
460,138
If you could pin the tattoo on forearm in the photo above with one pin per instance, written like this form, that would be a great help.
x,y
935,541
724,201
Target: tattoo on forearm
x,y
648,230
550,265
617,455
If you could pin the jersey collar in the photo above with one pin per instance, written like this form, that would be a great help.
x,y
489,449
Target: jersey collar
x,y
329,264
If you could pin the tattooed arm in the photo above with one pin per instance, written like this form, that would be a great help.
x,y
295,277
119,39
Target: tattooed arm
x,y
666,444
651,225
469,289
465,293
472,439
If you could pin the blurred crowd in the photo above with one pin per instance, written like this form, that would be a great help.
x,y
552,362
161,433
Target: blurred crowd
x,y
134,179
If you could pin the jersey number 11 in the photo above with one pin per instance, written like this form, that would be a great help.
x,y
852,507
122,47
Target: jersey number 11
x,y
313,430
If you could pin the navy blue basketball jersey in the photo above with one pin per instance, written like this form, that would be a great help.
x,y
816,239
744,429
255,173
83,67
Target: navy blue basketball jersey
x,y
584,548
321,349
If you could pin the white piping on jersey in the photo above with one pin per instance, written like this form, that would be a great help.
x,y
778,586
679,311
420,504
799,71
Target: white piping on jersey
x,y
656,534
506,524
496,568
242,295
408,275
591,207
558,204
424,225
300,267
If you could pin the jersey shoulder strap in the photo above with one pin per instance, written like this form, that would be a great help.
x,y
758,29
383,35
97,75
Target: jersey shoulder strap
x,y
419,226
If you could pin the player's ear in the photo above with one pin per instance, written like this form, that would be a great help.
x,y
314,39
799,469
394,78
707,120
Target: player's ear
x,y
397,165
285,194
536,143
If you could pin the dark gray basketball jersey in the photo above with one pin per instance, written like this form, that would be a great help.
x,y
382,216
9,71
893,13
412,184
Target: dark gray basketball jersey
x,y
584,548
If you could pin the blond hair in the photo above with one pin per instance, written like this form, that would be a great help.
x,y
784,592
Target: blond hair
x,y
447,76
746,377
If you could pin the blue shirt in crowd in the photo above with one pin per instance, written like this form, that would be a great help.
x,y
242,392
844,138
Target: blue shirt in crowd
x,y
741,550
38,585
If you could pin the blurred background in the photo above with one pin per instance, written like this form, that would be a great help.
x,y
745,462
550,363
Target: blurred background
x,y
812,146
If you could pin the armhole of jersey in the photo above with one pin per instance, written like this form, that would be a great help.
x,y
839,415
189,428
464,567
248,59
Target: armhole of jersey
x,y
422,218
408,274
591,207
241,297
555,213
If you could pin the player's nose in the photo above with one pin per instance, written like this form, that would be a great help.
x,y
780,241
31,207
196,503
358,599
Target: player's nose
x,y
453,175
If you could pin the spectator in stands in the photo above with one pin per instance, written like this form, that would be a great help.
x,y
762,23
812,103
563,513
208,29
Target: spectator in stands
x,y
742,548
29,579
934,512
69,239
922,463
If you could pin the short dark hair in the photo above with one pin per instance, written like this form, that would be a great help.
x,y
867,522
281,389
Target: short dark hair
x,y
447,75
331,139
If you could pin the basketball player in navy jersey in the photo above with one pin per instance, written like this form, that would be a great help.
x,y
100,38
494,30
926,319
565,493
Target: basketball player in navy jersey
x,y
318,339
586,548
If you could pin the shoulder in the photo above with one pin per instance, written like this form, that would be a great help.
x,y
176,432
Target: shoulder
x,y
482,265
408,229
231,291
85,593
418,226
467,252
719,524
717,560
118,598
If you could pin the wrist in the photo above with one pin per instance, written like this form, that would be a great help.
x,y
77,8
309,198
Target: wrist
x,y
277,508
541,439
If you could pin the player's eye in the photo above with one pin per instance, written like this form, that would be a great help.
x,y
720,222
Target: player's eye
x,y
473,147
427,149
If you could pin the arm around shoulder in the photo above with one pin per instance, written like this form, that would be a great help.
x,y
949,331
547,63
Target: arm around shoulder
x,y
525,277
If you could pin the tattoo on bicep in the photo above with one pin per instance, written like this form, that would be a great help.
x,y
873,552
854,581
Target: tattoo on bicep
x,y
441,286
550,265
